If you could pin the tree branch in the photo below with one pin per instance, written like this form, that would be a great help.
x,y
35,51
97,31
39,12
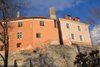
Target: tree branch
x,y
1,25
2,57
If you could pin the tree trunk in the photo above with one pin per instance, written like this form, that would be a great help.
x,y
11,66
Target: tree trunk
x,y
6,56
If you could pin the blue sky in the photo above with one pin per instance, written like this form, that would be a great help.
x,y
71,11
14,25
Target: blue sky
x,y
75,8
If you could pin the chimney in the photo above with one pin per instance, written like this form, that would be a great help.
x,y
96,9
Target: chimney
x,y
18,14
52,13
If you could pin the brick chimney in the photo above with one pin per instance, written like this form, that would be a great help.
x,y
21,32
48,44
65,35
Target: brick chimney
x,y
52,13
18,14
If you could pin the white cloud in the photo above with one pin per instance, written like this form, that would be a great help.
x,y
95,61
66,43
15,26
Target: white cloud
x,y
41,7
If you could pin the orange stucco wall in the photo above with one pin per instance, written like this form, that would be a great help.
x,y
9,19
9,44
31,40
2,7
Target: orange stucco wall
x,y
29,29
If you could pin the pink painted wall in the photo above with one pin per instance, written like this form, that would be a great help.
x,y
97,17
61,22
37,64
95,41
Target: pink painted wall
x,y
66,33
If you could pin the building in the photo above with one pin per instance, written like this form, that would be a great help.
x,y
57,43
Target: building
x,y
31,32
72,31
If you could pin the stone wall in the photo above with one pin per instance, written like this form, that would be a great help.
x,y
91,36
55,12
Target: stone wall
x,y
56,56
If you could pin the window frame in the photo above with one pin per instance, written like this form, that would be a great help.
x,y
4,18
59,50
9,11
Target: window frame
x,y
41,23
20,24
77,19
19,35
81,38
18,45
73,36
79,28
68,25
69,17
38,35
1,47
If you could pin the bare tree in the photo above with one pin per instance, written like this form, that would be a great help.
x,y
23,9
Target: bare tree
x,y
8,9
94,20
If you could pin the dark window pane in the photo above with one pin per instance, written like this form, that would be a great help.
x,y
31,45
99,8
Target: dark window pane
x,y
20,24
38,35
81,39
72,36
20,36
79,28
41,23
18,44
68,26
2,48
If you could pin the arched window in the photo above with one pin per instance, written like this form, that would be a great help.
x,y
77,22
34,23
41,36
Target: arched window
x,y
19,34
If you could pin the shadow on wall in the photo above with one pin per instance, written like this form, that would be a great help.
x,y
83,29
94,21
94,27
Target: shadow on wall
x,y
40,61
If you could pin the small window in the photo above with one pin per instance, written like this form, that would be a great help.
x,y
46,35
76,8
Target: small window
x,y
77,19
69,17
2,37
38,35
19,34
81,38
68,26
2,48
41,23
20,24
79,28
18,45
73,36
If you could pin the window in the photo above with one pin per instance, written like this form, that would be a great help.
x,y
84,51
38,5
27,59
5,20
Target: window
x,y
38,35
41,23
81,38
19,34
68,17
2,37
73,36
77,19
68,26
20,24
2,48
18,44
79,28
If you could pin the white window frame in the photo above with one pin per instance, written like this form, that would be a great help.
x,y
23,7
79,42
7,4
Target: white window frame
x,y
19,35
67,25
73,36
79,28
81,38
